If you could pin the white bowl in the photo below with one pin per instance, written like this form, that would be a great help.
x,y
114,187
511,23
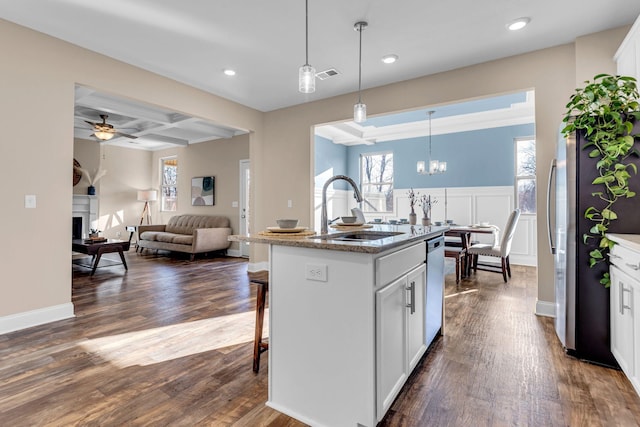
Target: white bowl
x,y
287,223
349,219
484,224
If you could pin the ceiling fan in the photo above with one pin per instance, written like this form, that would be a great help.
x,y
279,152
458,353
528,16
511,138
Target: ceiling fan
x,y
105,131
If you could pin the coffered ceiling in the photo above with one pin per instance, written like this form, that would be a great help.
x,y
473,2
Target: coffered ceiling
x,y
155,128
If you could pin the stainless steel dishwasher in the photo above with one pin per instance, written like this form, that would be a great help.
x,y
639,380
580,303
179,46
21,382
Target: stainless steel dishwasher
x,y
435,288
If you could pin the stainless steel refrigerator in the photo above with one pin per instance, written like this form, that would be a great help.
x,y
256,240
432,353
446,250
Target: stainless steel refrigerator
x,y
582,303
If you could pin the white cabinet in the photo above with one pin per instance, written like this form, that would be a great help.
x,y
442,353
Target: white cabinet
x,y
342,347
400,334
416,336
391,343
628,55
622,319
625,305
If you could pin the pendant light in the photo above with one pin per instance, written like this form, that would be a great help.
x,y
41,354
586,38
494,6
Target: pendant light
x,y
435,166
306,74
360,109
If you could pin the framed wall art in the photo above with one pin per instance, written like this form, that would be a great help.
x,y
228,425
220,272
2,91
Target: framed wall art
x,y
203,191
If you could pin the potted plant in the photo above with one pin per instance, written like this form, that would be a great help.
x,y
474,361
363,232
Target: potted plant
x,y
426,204
94,232
413,199
91,190
605,110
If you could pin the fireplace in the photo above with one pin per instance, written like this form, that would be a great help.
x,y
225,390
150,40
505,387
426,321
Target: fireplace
x,y
85,208
77,227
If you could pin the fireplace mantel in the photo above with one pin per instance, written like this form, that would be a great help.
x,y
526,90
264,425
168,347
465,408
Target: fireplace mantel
x,y
86,207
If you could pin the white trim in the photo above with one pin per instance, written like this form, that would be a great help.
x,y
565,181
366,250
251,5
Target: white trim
x,y
258,266
545,308
234,253
27,319
351,133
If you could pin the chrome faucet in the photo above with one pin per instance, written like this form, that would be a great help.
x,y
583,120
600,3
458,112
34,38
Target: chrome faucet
x,y
323,220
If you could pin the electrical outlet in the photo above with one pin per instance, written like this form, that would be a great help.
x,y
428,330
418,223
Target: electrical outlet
x,y
289,203
317,272
118,234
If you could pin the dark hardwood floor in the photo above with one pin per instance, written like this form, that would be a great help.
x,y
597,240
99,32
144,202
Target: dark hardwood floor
x,y
170,343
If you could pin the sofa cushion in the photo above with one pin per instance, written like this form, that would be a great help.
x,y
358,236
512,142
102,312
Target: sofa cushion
x,y
185,224
163,236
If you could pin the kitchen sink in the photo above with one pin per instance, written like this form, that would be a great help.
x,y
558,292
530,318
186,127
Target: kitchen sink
x,y
358,236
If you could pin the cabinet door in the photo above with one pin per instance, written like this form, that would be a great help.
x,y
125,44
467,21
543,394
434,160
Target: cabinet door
x,y
416,298
391,344
622,333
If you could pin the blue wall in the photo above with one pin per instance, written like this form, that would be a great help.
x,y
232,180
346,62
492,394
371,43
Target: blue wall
x,y
474,159
331,156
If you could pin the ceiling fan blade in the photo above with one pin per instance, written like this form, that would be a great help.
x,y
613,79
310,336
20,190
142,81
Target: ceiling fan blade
x,y
91,123
126,135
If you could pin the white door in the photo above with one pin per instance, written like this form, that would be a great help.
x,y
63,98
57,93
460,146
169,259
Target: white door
x,y
245,174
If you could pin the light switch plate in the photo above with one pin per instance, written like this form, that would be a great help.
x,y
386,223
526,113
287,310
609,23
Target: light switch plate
x,y
30,201
234,204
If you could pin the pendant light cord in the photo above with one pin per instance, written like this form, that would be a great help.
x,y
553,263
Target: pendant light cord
x,y
360,67
306,32
430,113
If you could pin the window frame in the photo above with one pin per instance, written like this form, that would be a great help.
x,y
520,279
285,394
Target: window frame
x,y
391,183
519,178
163,165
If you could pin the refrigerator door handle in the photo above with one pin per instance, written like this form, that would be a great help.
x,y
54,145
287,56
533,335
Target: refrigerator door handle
x,y
552,171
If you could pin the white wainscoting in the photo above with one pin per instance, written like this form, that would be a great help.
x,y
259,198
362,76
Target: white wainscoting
x,y
337,205
464,205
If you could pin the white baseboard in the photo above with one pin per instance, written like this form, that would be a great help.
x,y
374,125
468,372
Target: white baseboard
x,y
27,319
545,308
234,253
257,266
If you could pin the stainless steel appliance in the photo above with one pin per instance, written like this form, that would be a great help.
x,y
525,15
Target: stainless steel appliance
x,y
435,287
582,303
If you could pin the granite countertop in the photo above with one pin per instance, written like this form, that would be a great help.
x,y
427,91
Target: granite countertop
x,y
408,234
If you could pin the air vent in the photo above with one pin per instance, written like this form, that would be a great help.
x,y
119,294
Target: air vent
x,y
324,75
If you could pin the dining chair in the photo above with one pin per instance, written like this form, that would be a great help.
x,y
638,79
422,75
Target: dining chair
x,y
501,250
456,245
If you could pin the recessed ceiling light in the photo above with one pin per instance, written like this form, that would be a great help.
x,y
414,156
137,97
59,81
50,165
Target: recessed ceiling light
x,y
229,72
389,59
518,24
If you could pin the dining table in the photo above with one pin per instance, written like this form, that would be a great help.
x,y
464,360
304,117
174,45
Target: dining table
x,y
458,249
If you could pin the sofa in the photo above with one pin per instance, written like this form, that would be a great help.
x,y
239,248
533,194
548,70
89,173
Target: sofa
x,y
192,234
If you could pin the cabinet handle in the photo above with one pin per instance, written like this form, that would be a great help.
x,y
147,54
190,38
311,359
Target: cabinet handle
x,y
412,304
632,266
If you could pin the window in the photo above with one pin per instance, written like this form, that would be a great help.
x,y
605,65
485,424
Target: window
x,y
169,191
526,175
376,181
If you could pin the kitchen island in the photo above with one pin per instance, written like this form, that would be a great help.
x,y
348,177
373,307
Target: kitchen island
x,y
351,314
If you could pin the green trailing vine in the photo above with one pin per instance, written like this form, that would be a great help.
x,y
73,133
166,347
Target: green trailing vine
x,y
605,110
